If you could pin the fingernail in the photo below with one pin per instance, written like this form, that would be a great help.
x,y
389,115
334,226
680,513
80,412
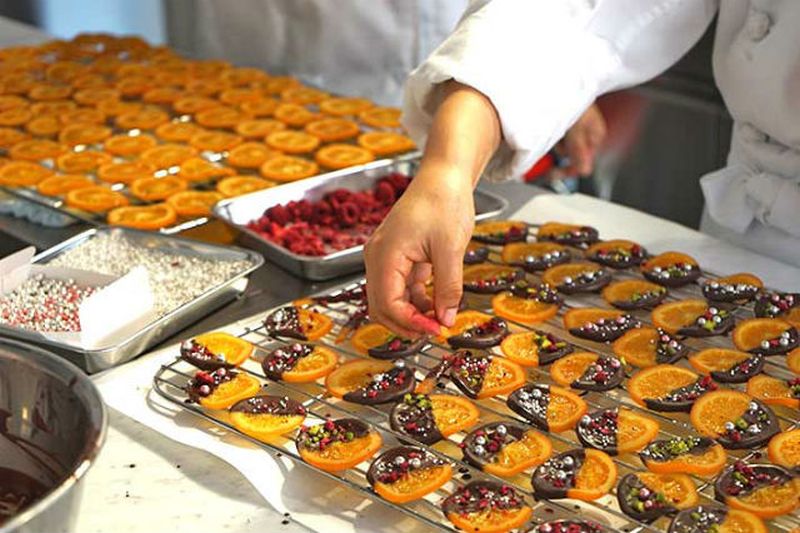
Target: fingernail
x,y
449,316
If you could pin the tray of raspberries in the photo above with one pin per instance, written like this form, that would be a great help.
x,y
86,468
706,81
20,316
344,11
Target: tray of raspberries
x,y
316,228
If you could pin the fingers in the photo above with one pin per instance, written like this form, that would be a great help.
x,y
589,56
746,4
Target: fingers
x,y
417,287
580,155
448,273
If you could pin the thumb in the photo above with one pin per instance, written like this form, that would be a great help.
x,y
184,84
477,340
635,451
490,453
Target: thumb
x,y
448,269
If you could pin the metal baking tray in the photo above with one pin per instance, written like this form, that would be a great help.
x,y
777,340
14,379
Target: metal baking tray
x,y
126,349
239,211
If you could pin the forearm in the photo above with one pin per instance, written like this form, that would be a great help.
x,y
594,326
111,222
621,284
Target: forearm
x,y
464,135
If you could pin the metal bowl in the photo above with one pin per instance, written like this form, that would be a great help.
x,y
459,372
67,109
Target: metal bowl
x,y
52,425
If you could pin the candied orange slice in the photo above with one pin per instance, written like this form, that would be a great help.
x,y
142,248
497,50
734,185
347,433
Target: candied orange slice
x,y
500,231
52,108
678,489
784,449
60,185
502,377
167,155
146,217
258,128
532,348
485,275
239,185
354,375
596,477
343,455
77,134
239,95
233,349
265,107
717,359
15,116
564,410
23,174
634,431
162,95
197,169
759,333
230,392
687,459
336,156
657,381
94,95
453,413
288,168
332,129
492,521
415,484
177,131
775,391
742,278
674,316
370,336
278,84
129,145
575,318
570,234
462,322
44,91
344,106
115,108
220,117
315,325
769,501
295,115
671,269
524,310
292,142
9,101
263,426
634,293
44,126
315,365
36,150
11,136
190,105
133,86
147,118
154,189
194,203
97,199
523,253
383,143
125,172
82,116
215,141
250,155
713,410
793,360
381,117
303,95
638,347
571,367
559,275
242,76
81,162
531,450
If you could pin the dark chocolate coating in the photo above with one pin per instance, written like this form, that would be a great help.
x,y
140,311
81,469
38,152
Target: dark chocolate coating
x,y
514,234
340,427
424,429
669,349
775,304
569,525
211,380
401,382
265,404
631,483
699,519
285,322
614,378
608,332
650,299
601,279
696,330
722,292
586,235
727,486
547,357
469,498
598,430
409,347
660,451
552,479
681,398
536,263
468,370
386,464
201,357
18,491
619,261
498,285
472,444
284,359
478,255
769,428
482,336
740,372
531,405
779,349
674,282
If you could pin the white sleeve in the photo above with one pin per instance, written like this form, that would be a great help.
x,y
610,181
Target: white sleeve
x,y
543,62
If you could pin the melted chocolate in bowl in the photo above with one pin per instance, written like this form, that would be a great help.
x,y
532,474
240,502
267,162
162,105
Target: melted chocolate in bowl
x,y
52,425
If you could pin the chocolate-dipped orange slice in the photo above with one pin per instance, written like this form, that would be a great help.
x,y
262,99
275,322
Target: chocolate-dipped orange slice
x,y
646,347
671,269
645,496
500,231
574,278
774,391
535,256
617,253
597,324
406,473
716,518
580,474
693,318
616,430
336,445
486,507
727,366
505,449
741,287
216,350
700,456
567,234
297,323
634,294
431,418
371,382
734,419
527,303
765,490
220,388
299,363
486,278
668,387
549,408
264,416
588,371
767,336
534,348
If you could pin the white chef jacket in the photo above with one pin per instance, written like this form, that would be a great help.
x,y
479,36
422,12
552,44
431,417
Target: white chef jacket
x,y
542,62
355,47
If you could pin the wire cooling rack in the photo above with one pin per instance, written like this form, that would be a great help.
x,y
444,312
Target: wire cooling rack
x,y
171,379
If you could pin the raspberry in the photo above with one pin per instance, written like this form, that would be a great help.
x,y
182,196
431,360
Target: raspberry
x,y
278,214
320,210
384,193
348,214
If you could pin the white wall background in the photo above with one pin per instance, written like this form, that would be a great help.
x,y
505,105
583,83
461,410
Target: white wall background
x,y
65,18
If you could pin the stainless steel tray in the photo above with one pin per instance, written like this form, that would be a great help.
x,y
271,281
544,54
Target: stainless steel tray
x,y
126,349
239,211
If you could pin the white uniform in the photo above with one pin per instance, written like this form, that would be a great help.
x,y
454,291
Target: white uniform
x,y
542,62
357,47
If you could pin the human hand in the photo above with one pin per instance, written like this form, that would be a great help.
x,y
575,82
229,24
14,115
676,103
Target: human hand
x,y
425,234
582,141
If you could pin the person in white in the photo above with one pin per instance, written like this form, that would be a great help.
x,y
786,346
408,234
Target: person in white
x,y
481,104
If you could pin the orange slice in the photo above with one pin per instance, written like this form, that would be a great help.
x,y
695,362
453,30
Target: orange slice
x,y
194,203
82,116
370,336
263,426
760,333
147,118
81,162
91,96
295,115
775,391
685,457
564,408
462,322
265,107
487,278
303,95
16,116
769,501
115,108
502,377
634,293
332,129
250,155
616,253
752,281
793,360
234,350
571,367
596,477
311,367
674,316
230,392
11,136
278,84
242,76
10,101
671,269
337,156
784,449
532,348
712,411
125,172
78,134
167,155
146,217
97,199
678,489
60,185
44,126
453,413
128,145
354,375
560,276
717,359
198,169
384,143
494,518
23,174
220,117
36,150
414,484
342,454
177,131
44,91
381,117
259,128
569,234
344,106
190,105
638,347
524,310
657,381
634,431
154,189
162,95
500,231
239,185
292,142
240,95
527,253
288,168
575,318
215,141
